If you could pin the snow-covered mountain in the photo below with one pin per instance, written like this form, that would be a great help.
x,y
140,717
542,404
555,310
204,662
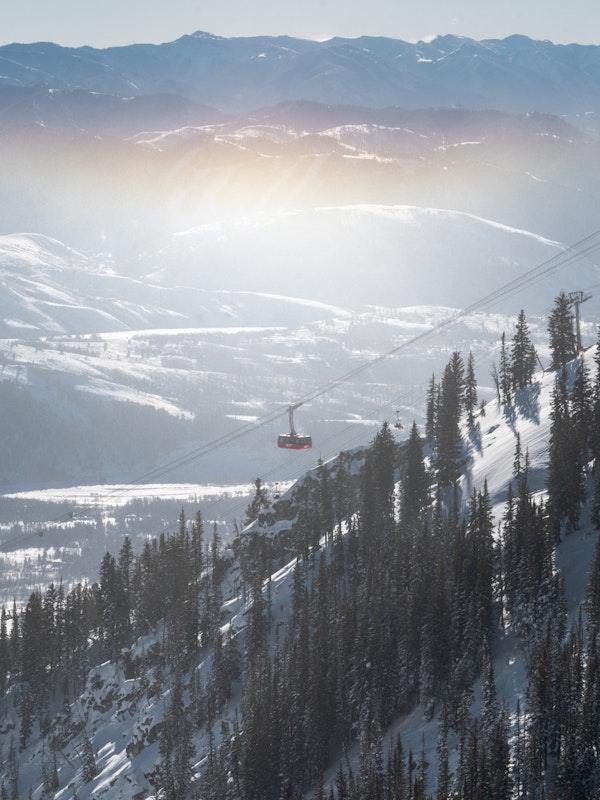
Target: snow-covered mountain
x,y
396,255
514,74
126,190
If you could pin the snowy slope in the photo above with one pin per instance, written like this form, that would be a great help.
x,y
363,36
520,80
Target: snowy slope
x,y
412,255
123,722
492,444
396,255
234,320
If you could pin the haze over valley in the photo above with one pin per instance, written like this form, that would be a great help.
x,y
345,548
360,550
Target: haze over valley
x,y
196,236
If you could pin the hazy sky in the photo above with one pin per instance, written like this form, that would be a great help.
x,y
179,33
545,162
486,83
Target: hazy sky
x,y
104,23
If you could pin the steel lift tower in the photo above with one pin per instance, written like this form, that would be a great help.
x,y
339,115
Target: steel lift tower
x,y
576,299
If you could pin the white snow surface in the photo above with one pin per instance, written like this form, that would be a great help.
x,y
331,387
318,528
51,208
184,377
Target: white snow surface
x,y
236,319
396,255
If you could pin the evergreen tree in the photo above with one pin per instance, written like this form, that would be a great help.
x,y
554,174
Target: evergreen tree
x,y
324,500
5,664
593,595
396,788
176,747
34,684
260,772
447,429
595,407
504,373
377,496
89,768
489,711
107,594
476,575
124,599
581,409
196,546
12,771
432,411
595,437
562,336
497,759
565,481
15,637
260,502
415,480
470,390
518,459
595,504
522,355
444,777
370,776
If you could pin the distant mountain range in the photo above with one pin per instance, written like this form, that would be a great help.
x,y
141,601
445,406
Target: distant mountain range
x,y
115,150
516,74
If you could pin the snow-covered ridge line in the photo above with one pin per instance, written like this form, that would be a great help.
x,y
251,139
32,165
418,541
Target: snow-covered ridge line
x,y
515,73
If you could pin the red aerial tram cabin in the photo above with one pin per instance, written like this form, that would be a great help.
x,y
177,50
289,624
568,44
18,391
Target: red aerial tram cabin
x,y
293,440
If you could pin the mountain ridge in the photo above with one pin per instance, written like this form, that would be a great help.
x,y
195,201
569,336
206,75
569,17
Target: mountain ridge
x,y
515,74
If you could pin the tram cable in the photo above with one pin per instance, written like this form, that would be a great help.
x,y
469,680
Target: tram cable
x,y
581,249
575,252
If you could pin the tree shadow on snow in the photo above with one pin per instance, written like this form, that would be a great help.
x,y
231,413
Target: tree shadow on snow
x,y
527,402
474,437
510,415
471,443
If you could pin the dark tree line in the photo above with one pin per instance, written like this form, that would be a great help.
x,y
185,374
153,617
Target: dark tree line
x,y
574,447
173,585
574,444
393,607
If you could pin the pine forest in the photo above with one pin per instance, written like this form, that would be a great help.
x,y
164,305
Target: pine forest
x,y
401,587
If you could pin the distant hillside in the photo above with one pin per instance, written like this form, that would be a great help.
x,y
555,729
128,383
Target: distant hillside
x,y
116,182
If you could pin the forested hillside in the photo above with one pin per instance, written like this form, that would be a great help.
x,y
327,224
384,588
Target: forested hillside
x,y
384,583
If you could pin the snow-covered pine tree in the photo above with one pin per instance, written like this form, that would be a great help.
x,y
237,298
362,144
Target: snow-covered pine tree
x,y
565,481
415,479
470,397
522,354
504,372
581,409
563,346
447,456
